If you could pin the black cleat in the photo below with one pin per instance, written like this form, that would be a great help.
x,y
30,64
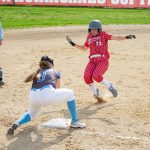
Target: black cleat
x,y
1,83
12,129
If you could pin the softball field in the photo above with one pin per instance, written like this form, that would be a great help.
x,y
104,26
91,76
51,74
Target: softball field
x,y
122,123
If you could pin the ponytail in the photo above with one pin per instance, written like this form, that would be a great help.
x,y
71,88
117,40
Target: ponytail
x,y
45,63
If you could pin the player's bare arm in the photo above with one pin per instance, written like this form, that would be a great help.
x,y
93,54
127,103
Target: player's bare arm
x,y
81,47
57,83
120,38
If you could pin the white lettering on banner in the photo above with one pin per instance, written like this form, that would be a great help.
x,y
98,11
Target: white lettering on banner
x,y
20,1
101,1
131,2
124,2
72,1
142,2
92,1
63,1
6,0
48,1
28,1
51,1
38,1
82,1
56,1
115,1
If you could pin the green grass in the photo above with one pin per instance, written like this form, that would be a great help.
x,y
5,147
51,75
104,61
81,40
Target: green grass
x,y
21,17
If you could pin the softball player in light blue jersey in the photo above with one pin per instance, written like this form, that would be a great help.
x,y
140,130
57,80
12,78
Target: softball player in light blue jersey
x,y
1,39
45,91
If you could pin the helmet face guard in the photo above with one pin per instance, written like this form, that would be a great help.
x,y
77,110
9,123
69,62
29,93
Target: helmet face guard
x,y
99,30
95,24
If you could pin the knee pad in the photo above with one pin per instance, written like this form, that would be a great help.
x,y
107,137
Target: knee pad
x,y
32,115
71,95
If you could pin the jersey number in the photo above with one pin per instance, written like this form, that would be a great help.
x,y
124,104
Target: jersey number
x,y
98,43
42,78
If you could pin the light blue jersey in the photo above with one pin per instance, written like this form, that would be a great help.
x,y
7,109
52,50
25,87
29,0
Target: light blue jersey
x,y
48,77
1,32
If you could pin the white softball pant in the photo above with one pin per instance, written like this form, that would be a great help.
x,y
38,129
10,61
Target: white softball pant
x,y
47,96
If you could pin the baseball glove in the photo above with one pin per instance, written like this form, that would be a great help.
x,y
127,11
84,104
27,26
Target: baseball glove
x,y
70,41
131,36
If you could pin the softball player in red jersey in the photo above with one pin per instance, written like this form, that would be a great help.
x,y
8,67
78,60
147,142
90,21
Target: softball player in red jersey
x,y
46,90
97,42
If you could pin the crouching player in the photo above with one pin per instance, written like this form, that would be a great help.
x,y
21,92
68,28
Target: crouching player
x,y
45,91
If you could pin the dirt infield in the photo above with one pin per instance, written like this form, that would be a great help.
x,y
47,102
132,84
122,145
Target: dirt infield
x,y
121,123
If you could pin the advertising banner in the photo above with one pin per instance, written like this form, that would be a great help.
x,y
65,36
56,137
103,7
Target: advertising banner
x,y
98,3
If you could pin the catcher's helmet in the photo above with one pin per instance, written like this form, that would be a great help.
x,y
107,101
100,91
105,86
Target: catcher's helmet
x,y
95,24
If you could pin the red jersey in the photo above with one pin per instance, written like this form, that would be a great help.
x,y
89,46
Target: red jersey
x,y
98,44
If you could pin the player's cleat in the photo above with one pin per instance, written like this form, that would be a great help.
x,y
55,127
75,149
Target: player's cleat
x,y
77,124
113,90
97,96
12,129
97,92
1,83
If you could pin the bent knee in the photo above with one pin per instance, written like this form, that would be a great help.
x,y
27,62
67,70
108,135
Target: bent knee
x,y
70,94
88,79
32,115
97,77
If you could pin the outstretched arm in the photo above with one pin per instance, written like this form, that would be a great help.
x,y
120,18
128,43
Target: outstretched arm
x,y
81,47
120,38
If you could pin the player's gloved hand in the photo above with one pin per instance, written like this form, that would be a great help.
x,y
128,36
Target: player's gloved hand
x,y
70,41
130,36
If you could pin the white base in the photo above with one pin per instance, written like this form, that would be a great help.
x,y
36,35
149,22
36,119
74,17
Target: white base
x,y
57,123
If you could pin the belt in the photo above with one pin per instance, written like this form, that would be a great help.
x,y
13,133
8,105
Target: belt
x,y
42,88
97,55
